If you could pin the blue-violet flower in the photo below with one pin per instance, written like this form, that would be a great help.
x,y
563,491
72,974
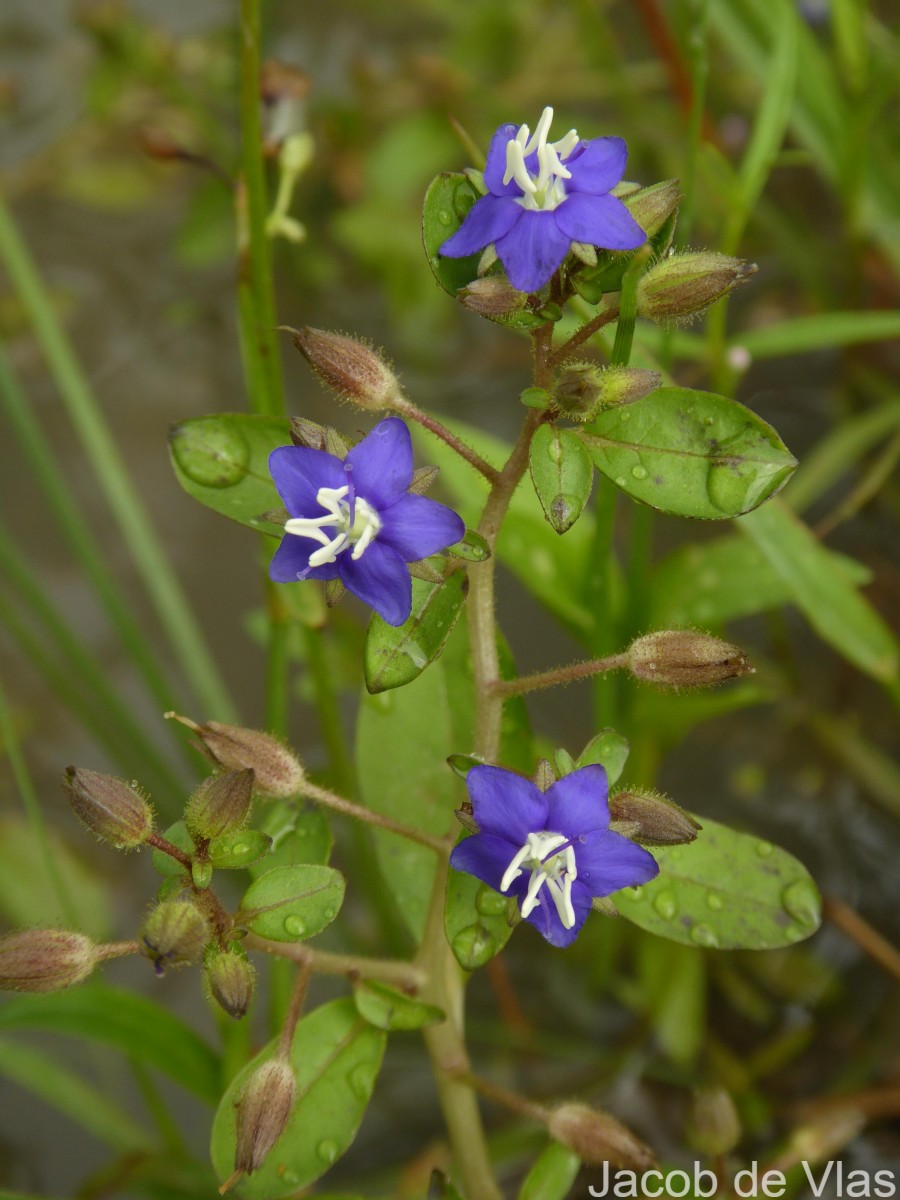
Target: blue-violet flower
x,y
543,196
355,519
553,850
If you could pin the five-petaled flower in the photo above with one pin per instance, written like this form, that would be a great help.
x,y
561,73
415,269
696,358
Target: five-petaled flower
x,y
553,850
355,519
543,196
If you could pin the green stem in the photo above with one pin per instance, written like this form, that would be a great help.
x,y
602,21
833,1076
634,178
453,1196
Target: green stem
x,y
621,351
405,975
599,592
277,663
113,478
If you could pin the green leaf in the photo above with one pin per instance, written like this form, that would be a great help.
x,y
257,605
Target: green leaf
x,y
448,199
223,461
178,835
290,904
403,738
692,454
722,580
609,749
552,1175
336,1056
300,833
386,1008
727,890
27,892
41,1073
834,608
562,473
472,547
234,850
129,1023
474,920
396,654
821,331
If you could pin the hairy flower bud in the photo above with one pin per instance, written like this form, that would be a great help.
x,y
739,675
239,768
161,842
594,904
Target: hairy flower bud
x,y
109,807
491,296
714,1126
262,1113
677,658
220,804
276,769
349,367
174,934
45,960
684,284
650,819
596,1137
584,389
230,979
652,206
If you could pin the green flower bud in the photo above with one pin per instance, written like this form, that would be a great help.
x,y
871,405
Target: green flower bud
x,y
112,809
714,1127
349,367
675,658
596,1137
650,819
174,934
262,1113
276,769
491,296
230,979
220,804
685,284
652,206
45,960
584,389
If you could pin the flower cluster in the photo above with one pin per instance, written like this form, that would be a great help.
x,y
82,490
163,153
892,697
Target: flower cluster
x,y
553,851
542,196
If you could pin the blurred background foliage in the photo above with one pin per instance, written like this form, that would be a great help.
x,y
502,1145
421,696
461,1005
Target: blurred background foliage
x,y
781,120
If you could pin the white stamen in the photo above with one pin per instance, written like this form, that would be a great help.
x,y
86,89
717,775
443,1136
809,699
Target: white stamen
x,y
544,190
516,169
550,865
365,528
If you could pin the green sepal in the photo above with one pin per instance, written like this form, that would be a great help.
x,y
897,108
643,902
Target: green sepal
x,y
608,748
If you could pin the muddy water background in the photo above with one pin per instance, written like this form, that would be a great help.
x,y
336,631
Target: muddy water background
x,y
157,339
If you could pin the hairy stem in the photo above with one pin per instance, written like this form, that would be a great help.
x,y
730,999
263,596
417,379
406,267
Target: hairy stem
x,y
407,409
327,799
587,331
409,977
559,675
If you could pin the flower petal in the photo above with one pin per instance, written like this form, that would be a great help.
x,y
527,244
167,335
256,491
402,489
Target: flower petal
x,y
533,249
547,922
505,803
416,527
299,472
290,561
607,861
380,578
488,219
599,221
598,166
382,463
577,803
495,167
484,855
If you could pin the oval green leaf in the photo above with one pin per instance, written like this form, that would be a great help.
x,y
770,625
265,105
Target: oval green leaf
x,y
336,1056
475,920
609,749
223,461
234,850
562,473
300,833
726,890
290,904
552,1175
691,454
396,654
386,1008
472,547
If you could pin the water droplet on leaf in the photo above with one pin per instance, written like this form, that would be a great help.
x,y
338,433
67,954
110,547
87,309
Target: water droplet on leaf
x,y
704,936
714,900
764,849
295,926
473,947
801,901
327,1151
554,450
211,451
489,902
639,472
665,905
445,216
360,1080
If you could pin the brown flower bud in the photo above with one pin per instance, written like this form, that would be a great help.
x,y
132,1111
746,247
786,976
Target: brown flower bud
x,y
650,819
652,206
684,284
584,389
45,960
276,769
349,367
491,296
220,804
596,1137
174,934
109,807
714,1126
230,979
683,658
262,1113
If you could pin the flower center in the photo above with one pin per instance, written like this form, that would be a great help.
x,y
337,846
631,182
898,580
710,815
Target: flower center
x,y
550,858
349,521
542,188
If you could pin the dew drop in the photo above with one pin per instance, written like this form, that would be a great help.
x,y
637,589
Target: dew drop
x,y
703,935
328,914
639,472
295,926
764,849
665,905
291,1178
714,900
445,216
620,481
240,848
360,1080
727,489
327,1151
211,451
490,903
201,874
801,901
473,946
554,450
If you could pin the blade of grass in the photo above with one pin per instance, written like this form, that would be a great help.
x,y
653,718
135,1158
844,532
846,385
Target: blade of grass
x,y
838,451
157,576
